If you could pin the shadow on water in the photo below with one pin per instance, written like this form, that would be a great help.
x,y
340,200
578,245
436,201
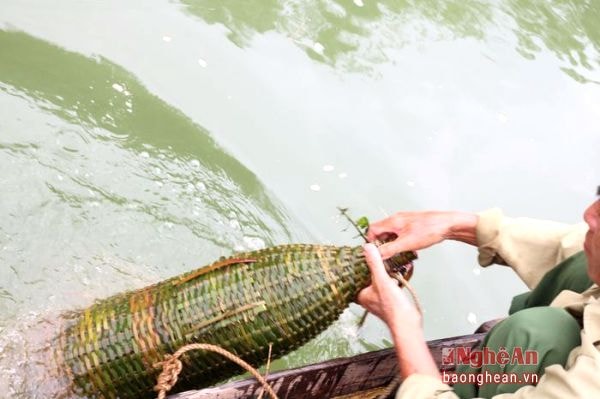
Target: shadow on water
x,y
356,35
113,106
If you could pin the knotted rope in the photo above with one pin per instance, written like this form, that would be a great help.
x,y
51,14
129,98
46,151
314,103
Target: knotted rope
x,y
171,367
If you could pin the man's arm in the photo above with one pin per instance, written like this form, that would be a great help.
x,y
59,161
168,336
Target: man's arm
x,y
531,247
385,299
418,230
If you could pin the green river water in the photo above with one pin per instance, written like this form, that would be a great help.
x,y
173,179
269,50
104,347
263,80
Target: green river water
x,y
142,139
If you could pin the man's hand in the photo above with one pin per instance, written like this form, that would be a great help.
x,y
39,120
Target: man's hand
x,y
412,231
384,298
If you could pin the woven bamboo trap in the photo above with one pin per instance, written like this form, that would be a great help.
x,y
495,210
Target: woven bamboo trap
x,y
283,296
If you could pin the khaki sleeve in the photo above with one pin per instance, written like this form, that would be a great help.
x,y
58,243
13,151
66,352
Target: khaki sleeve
x,y
420,386
530,247
579,382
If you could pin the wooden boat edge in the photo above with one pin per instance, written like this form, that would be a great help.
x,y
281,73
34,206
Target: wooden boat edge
x,y
349,377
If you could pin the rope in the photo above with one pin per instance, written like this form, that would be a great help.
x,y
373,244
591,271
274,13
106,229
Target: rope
x,y
171,367
390,389
413,293
266,369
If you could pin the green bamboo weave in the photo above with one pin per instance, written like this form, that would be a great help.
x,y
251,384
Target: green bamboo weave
x,y
282,295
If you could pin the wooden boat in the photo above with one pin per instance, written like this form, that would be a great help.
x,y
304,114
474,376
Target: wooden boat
x,y
362,376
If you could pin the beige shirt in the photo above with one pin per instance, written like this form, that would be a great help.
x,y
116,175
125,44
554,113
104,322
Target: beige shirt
x,y
531,248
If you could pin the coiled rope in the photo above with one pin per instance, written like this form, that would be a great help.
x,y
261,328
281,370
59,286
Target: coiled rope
x,y
171,367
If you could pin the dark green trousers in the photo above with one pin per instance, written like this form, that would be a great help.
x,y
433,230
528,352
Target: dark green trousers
x,y
533,325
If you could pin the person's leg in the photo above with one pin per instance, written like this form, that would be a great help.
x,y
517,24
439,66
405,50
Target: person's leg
x,y
551,332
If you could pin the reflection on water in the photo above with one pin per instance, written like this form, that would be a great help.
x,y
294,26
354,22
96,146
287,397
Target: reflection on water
x,y
568,28
355,35
350,35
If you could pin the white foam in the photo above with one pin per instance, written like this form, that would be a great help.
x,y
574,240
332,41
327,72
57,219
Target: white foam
x,y
318,48
118,87
254,243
